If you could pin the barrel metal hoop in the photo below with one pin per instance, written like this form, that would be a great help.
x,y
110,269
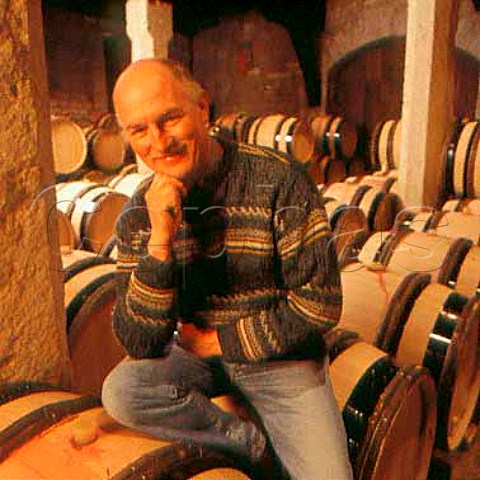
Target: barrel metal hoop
x,y
337,340
37,421
468,152
79,299
83,191
451,150
359,194
326,135
83,264
180,461
364,397
374,139
276,134
469,183
291,133
398,311
455,258
390,142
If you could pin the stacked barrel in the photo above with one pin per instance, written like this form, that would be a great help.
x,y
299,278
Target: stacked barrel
x,y
47,433
99,145
335,144
385,145
425,276
285,133
95,181
462,173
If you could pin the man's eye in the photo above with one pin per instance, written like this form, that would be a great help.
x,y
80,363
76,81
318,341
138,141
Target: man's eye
x,y
171,122
136,132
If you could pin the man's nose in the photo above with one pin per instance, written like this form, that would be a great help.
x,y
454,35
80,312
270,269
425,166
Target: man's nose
x,y
158,138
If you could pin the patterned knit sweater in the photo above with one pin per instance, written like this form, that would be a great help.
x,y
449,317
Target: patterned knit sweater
x,y
253,259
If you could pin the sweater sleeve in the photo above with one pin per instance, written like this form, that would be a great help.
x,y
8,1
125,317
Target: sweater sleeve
x,y
310,298
142,317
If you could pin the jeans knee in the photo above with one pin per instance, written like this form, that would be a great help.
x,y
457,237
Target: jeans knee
x,y
132,401
117,398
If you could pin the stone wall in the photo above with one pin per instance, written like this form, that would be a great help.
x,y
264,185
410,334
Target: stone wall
x,y
33,332
76,65
248,64
351,24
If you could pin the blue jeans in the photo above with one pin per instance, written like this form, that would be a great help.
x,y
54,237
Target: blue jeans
x,y
169,398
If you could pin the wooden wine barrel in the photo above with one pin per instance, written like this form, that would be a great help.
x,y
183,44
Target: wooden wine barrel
x,y
367,298
455,225
97,176
445,223
93,210
466,161
69,146
465,205
108,121
333,136
385,145
441,332
372,249
411,251
237,124
106,149
473,179
415,219
356,166
66,234
349,228
382,181
61,435
327,169
389,413
380,208
128,184
287,134
346,192
465,278
90,295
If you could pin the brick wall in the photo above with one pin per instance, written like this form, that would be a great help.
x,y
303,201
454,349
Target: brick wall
x,y
76,65
249,64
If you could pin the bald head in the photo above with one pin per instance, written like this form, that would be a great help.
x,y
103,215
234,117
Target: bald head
x,y
154,73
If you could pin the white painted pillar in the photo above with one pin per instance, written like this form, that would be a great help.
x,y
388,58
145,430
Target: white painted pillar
x,y
150,30
33,345
149,27
428,98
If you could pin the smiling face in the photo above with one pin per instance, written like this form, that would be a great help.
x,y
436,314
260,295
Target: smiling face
x,y
165,124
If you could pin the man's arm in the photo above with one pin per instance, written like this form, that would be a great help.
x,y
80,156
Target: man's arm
x,y
142,318
310,298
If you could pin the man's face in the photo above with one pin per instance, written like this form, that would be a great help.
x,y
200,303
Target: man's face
x,y
165,127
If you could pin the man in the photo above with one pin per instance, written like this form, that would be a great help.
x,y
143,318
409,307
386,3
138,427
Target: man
x,y
228,245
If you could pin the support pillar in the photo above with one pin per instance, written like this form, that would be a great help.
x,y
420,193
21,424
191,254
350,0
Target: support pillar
x,y
428,98
150,30
149,27
33,345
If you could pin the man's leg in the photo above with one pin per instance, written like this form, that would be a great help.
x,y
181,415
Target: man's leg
x,y
168,398
297,406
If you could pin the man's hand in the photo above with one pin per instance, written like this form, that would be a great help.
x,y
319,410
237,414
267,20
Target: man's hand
x,y
164,204
203,343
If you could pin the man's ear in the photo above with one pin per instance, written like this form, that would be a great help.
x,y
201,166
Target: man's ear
x,y
204,105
